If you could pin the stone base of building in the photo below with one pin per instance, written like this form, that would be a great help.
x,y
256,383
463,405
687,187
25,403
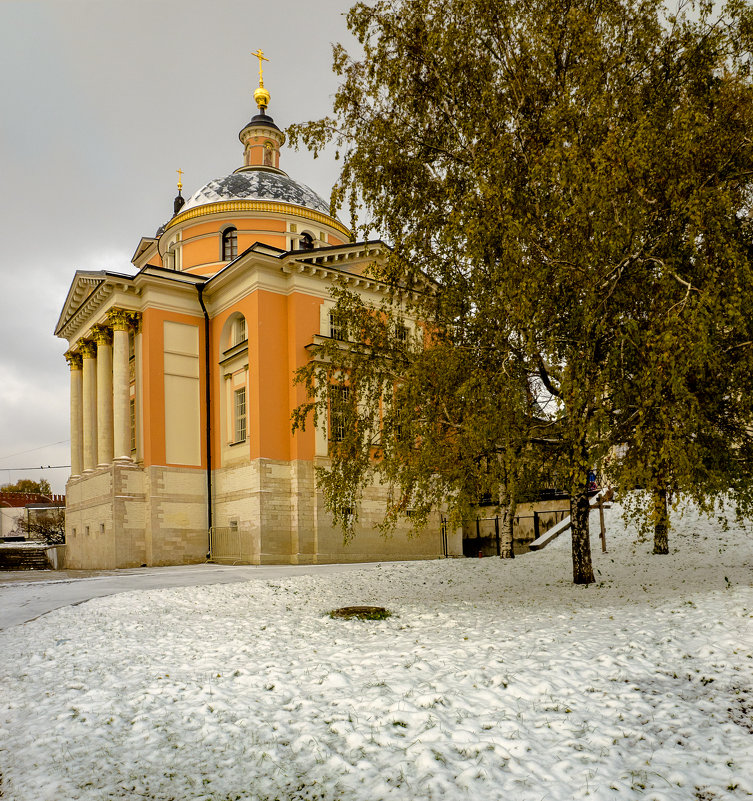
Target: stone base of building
x,y
123,515
264,512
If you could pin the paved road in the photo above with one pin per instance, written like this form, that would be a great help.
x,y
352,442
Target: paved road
x,y
26,595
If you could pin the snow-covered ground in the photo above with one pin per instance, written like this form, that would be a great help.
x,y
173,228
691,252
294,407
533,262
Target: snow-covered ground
x,y
494,679
26,594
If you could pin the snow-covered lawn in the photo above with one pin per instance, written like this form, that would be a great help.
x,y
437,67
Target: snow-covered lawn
x,y
493,679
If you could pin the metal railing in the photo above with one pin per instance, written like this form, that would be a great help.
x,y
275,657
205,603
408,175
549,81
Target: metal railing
x,y
489,541
230,545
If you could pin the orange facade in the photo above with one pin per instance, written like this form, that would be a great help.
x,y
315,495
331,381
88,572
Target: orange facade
x,y
252,258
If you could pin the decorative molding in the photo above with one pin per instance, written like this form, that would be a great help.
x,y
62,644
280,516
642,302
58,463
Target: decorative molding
x,y
102,335
334,273
118,319
75,362
134,318
258,205
87,309
87,349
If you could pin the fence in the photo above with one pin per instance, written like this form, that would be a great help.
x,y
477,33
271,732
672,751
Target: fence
x,y
230,545
489,532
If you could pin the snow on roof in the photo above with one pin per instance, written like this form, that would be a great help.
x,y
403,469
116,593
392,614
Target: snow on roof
x,y
257,185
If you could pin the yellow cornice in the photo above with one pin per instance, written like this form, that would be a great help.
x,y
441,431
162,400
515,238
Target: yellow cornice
x,y
258,205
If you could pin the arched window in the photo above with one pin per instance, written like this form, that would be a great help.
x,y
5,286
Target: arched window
x,y
306,242
172,255
239,330
229,244
233,401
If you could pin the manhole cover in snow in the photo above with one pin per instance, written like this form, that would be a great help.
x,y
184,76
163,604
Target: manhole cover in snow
x,y
361,612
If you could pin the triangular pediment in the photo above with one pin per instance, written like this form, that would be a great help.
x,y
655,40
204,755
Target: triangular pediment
x,y
82,287
147,244
88,290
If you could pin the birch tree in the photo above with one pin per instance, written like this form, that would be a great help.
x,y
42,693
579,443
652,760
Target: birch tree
x,y
572,180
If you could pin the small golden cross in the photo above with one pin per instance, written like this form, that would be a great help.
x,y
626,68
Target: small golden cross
x,y
260,55
180,179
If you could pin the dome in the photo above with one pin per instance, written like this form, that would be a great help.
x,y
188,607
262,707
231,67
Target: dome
x,y
257,184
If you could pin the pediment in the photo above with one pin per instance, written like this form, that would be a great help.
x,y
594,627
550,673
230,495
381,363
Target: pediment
x,y
87,293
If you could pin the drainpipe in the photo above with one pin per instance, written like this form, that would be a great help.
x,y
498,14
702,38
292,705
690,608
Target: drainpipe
x,y
207,403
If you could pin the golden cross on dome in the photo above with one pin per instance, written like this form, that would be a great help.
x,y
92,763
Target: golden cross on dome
x,y
180,179
260,55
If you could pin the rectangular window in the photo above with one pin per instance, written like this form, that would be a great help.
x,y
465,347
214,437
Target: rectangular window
x,y
338,413
336,327
132,412
401,331
240,330
239,407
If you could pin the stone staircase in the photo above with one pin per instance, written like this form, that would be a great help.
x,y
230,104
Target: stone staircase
x,y
24,557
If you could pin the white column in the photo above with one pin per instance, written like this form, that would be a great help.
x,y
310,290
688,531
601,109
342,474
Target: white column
x,y
88,352
104,396
121,417
77,413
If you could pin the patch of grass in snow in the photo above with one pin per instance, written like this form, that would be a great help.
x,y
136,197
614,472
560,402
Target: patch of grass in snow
x,y
361,613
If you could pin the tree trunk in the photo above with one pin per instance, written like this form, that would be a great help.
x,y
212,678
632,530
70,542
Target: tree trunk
x,y
661,521
583,572
509,552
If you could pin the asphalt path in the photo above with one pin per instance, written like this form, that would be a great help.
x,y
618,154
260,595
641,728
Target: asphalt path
x,y
24,597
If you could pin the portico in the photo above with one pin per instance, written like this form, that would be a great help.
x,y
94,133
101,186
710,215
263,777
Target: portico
x,y
101,389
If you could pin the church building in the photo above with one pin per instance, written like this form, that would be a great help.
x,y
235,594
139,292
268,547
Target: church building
x,y
181,381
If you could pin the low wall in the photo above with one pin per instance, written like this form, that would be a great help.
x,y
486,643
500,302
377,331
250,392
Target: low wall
x,y
56,556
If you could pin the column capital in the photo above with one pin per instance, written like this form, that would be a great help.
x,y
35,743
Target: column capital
x,y
75,362
135,320
119,319
87,349
102,335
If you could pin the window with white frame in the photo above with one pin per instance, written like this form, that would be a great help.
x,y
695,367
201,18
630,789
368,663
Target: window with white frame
x,y
336,326
239,330
229,244
239,414
338,412
172,255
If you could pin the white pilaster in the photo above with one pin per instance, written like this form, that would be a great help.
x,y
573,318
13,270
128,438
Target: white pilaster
x,y
139,396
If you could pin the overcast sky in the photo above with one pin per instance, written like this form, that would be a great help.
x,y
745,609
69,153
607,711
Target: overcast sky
x,y
100,103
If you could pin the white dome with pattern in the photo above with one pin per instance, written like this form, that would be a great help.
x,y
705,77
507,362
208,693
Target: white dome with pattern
x,y
257,185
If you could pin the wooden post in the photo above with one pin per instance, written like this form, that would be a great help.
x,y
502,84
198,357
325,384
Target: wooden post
x,y
496,533
603,533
